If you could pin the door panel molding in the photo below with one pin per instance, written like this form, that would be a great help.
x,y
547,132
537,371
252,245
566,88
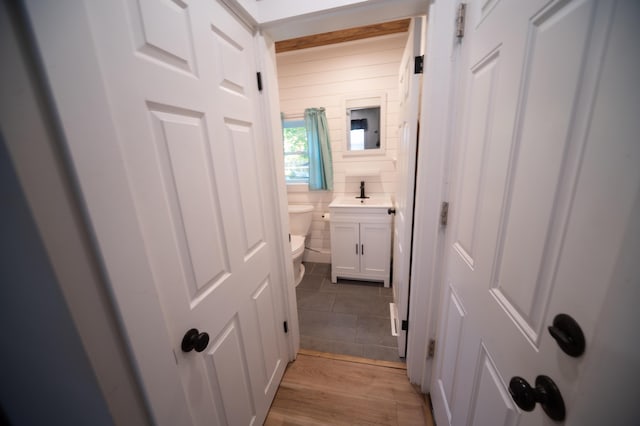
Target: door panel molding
x,y
231,376
490,400
453,315
169,43
477,142
183,151
542,137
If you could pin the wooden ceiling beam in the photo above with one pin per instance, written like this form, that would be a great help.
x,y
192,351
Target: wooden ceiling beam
x,y
341,36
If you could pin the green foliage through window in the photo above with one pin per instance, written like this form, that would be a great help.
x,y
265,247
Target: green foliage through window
x,y
296,151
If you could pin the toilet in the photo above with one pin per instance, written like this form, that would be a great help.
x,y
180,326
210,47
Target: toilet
x,y
299,224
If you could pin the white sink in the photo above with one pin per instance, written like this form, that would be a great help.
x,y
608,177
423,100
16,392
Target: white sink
x,y
352,201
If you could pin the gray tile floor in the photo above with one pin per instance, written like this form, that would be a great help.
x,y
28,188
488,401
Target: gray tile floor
x,y
350,317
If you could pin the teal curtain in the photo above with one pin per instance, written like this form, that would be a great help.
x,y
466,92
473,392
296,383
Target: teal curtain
x,y
320,164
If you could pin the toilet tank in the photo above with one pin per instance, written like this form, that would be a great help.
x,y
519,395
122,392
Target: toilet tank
x,y
300,218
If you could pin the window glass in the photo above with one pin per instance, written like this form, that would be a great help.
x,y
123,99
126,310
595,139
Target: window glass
x,y
296,152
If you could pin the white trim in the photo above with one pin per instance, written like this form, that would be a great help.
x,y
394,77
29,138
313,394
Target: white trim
x,y
273,126
297,186
431,189
365,100
237,9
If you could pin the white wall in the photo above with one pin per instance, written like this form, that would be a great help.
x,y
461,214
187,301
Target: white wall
x,y
324,77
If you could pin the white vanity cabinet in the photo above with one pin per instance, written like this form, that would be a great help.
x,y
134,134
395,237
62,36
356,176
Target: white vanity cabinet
x,y
361,239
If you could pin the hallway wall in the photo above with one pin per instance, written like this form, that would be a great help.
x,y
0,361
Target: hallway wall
x,y
324,77
43,363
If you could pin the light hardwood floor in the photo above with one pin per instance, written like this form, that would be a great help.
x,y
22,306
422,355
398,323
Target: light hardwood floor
x,y
323,389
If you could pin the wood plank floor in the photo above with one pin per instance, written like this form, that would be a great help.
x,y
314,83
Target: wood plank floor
x,y
319,390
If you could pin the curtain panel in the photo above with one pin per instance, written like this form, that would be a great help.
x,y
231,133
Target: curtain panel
x,y
320,163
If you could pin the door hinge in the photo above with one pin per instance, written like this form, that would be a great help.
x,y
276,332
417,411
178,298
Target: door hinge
x,y
285,326
418,65
444,213
431,351
405,325
259,77
460,18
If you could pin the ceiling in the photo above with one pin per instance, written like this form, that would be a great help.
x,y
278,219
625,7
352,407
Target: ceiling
x,y
356,15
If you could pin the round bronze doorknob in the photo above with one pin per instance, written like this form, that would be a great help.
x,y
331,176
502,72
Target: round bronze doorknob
x,y
568,334
546,393
193,339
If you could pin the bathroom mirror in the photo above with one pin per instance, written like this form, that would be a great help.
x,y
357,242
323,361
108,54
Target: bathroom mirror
x,y
365,125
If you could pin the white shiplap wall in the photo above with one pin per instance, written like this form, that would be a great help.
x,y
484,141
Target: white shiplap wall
x,y
324,77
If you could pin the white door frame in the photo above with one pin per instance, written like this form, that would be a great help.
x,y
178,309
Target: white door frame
x,y
436,112
431,175
431,184
431,180
270,115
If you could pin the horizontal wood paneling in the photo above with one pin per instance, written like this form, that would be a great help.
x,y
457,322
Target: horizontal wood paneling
x,y
326,76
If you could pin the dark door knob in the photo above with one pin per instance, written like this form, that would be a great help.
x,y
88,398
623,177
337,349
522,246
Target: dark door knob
x,y
566,331
546,393
193,339
391,211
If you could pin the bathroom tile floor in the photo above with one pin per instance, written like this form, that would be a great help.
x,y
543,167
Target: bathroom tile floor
x,y
350,317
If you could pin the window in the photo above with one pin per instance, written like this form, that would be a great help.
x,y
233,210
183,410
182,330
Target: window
x,y
296,152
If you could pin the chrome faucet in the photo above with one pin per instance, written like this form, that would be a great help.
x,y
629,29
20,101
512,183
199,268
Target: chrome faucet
x,y
362,190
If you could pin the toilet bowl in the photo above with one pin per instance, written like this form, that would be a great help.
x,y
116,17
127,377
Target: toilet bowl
x,y
297,252
299,224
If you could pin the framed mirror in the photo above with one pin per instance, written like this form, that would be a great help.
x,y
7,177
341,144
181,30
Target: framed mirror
x,y
365,125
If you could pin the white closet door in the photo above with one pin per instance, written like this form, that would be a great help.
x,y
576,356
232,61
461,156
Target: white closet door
x,y
407,150
177,192
544,214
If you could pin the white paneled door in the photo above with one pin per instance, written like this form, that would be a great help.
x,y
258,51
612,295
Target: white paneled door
x,y
544,211
180,83
409,111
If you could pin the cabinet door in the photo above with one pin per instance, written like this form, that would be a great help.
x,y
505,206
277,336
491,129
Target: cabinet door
x,y
345,248
374,249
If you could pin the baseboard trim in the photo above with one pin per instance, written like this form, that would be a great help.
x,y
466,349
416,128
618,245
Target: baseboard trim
x,y
321,256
